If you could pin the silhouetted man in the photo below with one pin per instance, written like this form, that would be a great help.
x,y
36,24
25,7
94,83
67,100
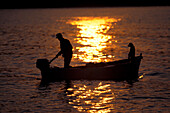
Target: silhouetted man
x,y
131,54
66,50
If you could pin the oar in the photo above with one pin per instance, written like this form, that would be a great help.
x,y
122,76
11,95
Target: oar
x,y
59,53
52,59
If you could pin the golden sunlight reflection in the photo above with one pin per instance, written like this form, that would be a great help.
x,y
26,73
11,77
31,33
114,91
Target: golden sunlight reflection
x,y
93,38
96,100
141,76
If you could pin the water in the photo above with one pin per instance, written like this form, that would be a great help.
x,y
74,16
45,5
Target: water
x,y
98,35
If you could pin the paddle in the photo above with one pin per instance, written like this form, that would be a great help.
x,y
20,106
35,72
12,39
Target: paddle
x,y
53,59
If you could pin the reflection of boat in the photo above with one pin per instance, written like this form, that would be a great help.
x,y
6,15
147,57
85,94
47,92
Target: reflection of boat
x,y
118,70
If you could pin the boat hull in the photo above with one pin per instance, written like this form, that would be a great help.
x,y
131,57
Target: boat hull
x,y
119,70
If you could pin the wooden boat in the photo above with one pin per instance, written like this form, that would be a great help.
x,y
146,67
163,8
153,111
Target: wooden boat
x,y
126,69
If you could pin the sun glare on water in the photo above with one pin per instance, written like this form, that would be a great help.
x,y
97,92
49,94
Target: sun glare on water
x,y
92,35
90,100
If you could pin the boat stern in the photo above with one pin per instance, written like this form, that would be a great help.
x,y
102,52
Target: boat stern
x,y
42,64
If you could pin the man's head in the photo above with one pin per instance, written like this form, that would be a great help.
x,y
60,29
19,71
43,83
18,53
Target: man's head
x,y
59,36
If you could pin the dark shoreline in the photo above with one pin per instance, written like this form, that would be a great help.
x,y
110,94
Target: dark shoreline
x,y
82,4
82,7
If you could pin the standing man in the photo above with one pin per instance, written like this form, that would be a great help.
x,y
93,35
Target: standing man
x,y
66,50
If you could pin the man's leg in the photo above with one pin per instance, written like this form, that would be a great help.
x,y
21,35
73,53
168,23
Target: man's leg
x,y
67,62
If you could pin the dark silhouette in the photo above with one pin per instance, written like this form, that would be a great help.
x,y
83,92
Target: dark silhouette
x,y
125,69
47,72
66,50
131,54
85,3
43,65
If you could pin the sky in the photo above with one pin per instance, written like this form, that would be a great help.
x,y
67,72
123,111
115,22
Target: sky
x,y
78,3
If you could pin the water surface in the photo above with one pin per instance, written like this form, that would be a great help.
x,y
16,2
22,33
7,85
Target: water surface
x,y
97,35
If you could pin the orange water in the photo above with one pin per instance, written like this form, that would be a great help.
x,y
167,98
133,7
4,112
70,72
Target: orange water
x,y
97,35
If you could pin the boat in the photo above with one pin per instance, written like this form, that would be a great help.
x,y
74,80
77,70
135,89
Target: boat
x,y
126,69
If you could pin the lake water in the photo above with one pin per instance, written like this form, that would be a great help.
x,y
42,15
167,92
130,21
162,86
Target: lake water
x,y
97,35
